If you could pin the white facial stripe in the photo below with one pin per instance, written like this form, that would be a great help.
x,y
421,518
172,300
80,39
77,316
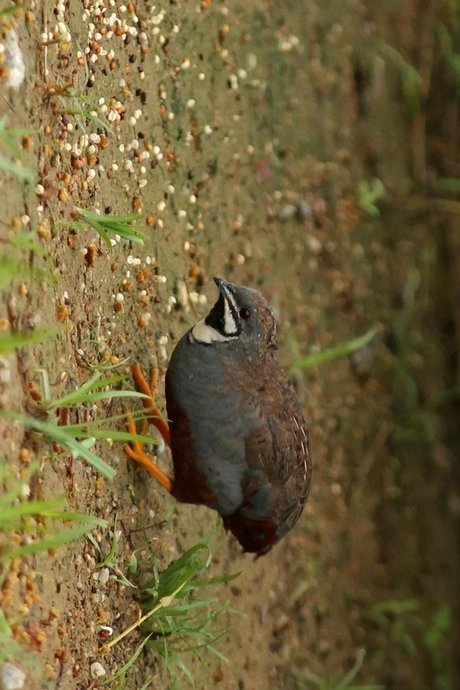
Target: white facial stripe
x,y
229,321
207,334
231,299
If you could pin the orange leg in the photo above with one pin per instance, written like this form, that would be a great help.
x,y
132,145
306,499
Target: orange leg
x,y
134,449
154,414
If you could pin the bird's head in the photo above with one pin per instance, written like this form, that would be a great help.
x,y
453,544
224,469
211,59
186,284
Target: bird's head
x,y
241,315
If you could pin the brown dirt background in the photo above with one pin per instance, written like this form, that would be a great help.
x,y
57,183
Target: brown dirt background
x,y
272,102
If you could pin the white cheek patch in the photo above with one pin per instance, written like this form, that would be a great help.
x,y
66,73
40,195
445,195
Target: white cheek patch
x,y
204,333
229,321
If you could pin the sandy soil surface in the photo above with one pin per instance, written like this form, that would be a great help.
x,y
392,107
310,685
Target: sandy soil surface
x,y
247,135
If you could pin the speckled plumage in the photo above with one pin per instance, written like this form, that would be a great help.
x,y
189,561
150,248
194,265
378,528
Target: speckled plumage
x,y
238,438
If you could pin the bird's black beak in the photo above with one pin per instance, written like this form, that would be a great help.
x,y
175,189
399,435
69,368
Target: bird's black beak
x,y
223,285
220,282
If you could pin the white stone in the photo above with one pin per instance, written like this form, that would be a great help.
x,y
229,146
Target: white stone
x,y
11,677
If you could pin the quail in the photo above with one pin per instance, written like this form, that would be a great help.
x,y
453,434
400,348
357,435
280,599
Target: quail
x,y
238,439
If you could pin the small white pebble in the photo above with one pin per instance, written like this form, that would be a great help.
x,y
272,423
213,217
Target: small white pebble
x,y
161,205
39,190
104,573
11,677
97,670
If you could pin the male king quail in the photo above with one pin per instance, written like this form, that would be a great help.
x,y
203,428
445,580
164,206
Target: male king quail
x,y
238,439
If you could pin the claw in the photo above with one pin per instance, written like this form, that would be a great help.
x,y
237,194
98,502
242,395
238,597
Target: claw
x,y
134,449
153,413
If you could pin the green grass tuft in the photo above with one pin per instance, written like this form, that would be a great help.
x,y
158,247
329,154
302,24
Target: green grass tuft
x,y
177,620
109,226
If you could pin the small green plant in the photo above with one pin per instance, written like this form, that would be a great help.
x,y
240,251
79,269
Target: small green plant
x,y
13,341
447,40
11,164
8,645
177,620
403,623
19,514
111,561
84,109
450,185
411,80
109,226
399,619
369,193
313,680
336,352
79,438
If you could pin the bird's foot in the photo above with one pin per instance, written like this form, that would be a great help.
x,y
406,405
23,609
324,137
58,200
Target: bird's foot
x,y
134,449
153,414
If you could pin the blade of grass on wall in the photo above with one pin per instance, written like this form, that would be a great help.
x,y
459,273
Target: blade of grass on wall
x,y
124,226
334,352
90,392
59,435
25,240
16,508
5,11
121,673
8,139
61,538
11,270
13,341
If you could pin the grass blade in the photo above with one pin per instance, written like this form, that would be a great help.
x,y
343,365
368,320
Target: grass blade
x,y
59,435
334,352
13,341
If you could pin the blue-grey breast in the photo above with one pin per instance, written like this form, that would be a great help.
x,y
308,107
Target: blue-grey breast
x,y
239,441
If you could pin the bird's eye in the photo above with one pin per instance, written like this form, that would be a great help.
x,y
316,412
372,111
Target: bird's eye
x,y
245,313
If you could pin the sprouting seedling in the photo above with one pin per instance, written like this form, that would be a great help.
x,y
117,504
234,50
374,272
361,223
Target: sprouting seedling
x,y
84,108
78,439
369,193
111,560
109,227
12,164
13,512
13,341
176,618
345,683
412,81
